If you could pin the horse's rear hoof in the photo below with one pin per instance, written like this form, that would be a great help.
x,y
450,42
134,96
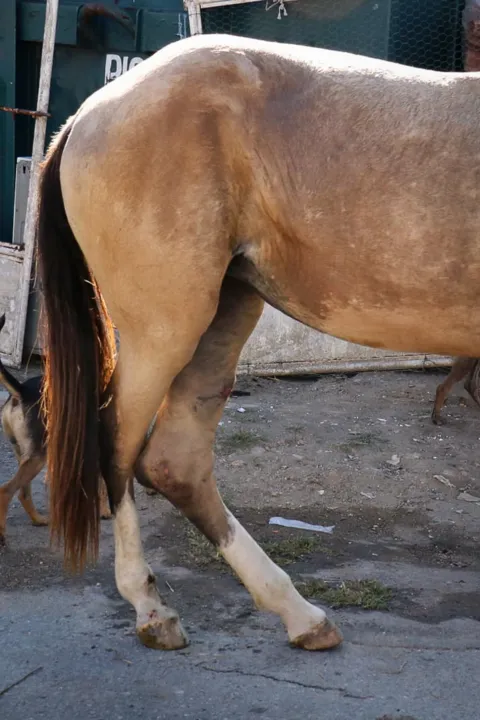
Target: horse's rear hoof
x,y
324,636
166,634
436,419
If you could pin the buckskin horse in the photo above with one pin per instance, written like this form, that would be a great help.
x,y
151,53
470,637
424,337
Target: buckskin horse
x,y
220,173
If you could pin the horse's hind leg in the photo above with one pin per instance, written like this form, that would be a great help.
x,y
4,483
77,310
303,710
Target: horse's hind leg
x,y
178,461
152,353
460,368
471,384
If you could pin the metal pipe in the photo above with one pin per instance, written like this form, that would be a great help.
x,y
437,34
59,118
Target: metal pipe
x,y
345,366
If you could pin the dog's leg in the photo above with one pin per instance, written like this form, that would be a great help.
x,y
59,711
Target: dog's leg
x,y
26,472
25,497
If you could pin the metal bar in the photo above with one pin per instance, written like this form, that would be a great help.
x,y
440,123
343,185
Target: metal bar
x,y
8,55
344,366
48,49
18,111
219,3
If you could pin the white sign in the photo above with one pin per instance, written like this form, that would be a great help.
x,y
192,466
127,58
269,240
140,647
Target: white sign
x,y
116,65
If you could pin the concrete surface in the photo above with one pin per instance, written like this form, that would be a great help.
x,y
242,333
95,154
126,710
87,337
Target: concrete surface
x,y
317,451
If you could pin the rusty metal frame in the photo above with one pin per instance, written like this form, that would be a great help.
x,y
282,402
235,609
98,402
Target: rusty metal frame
x,y
194,8
30,113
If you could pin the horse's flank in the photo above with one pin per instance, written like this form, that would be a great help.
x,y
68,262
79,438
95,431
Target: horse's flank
x,y
347,187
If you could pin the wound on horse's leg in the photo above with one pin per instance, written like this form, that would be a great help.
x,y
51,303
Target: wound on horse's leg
x,y
178,461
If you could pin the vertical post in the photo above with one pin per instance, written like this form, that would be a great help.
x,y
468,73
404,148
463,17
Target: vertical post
x,y
8,45
48,48
193,8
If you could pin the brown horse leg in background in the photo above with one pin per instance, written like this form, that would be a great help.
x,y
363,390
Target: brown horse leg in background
x,y
472,383
462,367
178,462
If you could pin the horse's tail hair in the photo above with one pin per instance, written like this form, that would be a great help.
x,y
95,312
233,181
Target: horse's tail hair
x,y
80,355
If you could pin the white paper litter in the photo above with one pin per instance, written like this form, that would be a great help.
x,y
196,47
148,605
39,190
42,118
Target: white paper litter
x,y
300,525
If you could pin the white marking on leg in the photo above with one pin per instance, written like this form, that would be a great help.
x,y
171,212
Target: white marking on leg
x,y
270,587
132,574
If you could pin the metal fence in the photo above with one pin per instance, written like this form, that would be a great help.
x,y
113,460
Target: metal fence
x,y
424,33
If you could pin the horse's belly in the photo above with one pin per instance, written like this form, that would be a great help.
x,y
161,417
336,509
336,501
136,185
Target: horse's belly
x,y
437,321
452,332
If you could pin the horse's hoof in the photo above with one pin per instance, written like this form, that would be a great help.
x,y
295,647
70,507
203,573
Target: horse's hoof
x,y
163,634
106,515
436,419
40,521
324,636
151,491
3,541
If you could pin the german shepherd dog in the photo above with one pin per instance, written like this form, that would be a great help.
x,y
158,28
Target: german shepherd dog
x,y
23,424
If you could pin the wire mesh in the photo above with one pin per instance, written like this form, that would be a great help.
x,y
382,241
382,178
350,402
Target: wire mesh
x,y
423,33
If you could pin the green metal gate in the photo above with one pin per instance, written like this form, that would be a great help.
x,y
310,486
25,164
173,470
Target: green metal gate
x,y
96,42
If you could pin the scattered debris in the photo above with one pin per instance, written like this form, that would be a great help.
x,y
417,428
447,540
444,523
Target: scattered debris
x,y
394,461
369,495
117,656
241,410
468,498
300,525
445,481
